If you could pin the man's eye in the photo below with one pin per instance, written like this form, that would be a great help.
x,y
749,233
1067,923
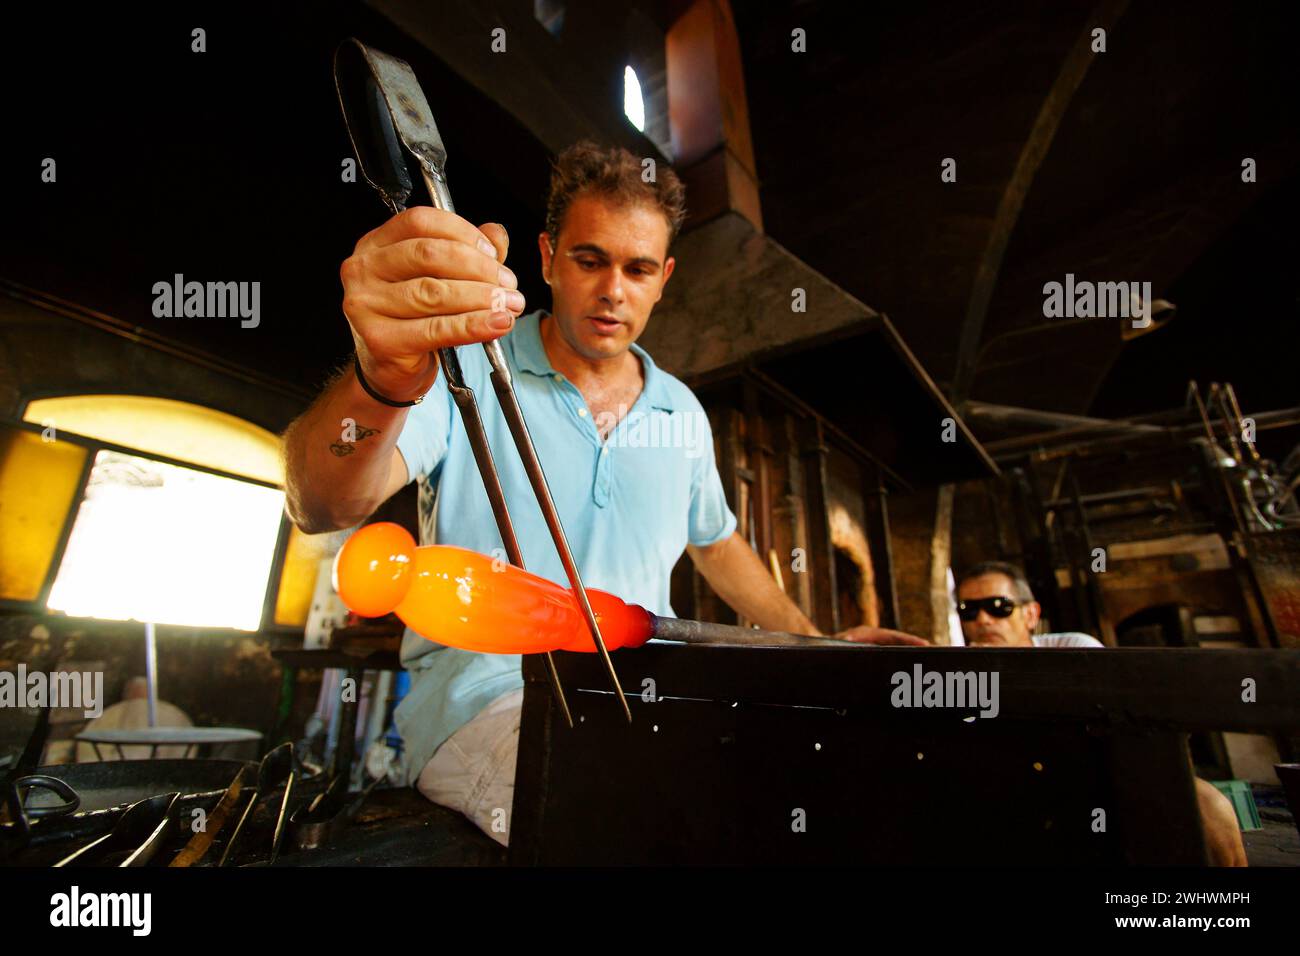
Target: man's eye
x,y
588,263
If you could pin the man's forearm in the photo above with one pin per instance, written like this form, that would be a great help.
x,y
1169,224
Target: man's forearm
x,y
339,457
738,576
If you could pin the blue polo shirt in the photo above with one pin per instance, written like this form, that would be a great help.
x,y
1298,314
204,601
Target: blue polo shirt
x,y
629,505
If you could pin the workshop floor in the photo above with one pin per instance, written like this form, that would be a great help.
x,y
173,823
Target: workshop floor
x,y
401,828
1278,844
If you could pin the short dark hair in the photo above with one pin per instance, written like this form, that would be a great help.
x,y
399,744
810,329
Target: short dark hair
x,y
1024,592
615,173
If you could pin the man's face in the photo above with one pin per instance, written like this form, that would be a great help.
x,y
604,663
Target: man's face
x,y
606,273
1013,631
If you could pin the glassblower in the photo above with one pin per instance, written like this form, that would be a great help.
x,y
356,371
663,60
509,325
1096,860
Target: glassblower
x,y
452,595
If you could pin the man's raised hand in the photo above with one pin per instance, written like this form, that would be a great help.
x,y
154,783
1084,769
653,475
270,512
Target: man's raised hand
x,y
424,280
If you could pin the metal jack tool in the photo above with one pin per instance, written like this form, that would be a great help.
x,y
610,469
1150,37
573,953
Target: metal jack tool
x,y
386,111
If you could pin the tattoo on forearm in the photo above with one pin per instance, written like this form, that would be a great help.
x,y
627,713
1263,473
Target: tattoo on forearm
x,y
352,433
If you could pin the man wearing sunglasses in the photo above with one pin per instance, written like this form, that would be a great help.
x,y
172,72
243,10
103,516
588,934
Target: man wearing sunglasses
x,y
997,608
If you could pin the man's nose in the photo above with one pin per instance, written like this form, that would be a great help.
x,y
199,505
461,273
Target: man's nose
x,y
984,617
611,291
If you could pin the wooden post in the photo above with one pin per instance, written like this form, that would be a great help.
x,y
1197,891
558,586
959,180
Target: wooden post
x,y
792,514
875,509
821,550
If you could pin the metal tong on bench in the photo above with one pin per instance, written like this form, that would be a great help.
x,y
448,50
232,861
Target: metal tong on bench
x,y
386,112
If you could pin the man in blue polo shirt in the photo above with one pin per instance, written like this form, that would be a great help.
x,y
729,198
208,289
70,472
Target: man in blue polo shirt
x,y
626,447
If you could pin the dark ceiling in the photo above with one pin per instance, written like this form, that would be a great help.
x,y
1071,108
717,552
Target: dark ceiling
x,y
1142,182
225,165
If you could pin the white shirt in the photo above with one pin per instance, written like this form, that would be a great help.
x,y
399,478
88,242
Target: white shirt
x,y
1066,639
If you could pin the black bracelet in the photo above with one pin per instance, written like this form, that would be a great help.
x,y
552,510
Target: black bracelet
x,y
361,380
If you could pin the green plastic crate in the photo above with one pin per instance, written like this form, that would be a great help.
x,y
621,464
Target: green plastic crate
x,y
1243,801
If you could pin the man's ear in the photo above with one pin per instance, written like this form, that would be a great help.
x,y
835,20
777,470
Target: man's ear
x,y
544,246
669,265
1033,611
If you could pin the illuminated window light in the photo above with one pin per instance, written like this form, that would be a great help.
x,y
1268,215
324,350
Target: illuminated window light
x,y
633,101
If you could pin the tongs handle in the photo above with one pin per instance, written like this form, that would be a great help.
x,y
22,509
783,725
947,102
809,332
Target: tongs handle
x,y
393,110
436,182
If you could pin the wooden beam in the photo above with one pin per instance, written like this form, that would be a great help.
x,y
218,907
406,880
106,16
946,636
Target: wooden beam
x,y
1035,149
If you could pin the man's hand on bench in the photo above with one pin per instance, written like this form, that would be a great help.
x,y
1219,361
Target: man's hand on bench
x,y
880,635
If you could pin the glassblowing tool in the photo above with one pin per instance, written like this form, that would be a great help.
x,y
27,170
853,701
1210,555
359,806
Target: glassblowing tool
x,y
386,111
457,597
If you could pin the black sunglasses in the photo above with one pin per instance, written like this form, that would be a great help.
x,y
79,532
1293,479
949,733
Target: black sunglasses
x,y
996,606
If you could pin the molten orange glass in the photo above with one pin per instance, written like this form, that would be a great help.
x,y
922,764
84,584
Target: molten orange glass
x,y
464,599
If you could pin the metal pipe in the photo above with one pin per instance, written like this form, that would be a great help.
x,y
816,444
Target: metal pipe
x,y
1231,396
703,632
151,671
1044,442
1110,497
987,412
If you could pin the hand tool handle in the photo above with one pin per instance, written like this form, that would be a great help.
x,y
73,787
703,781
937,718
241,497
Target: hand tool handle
x,y
440,195
532,465
463,396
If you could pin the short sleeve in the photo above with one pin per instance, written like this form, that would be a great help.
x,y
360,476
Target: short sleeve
x,y
427,432
711,519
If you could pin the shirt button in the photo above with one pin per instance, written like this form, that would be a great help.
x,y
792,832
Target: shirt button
x,y
582,413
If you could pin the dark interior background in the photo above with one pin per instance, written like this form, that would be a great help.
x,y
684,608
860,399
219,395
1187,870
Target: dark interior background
x,y
227,165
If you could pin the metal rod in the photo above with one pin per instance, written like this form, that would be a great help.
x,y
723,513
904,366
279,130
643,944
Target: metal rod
x,y
385,110
1239,550
151,671
1233,426
703,632
1043,444
1231,395
533,467
463,396
1238,521
988,413
440,195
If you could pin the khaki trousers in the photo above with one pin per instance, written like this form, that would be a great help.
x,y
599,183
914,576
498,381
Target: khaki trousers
x,y
473,772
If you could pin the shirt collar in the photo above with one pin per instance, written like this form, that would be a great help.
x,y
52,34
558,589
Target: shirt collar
x,y
530,356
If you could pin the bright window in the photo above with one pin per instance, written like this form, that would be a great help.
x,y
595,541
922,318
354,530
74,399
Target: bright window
x,y
157,542
633,101
150,540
